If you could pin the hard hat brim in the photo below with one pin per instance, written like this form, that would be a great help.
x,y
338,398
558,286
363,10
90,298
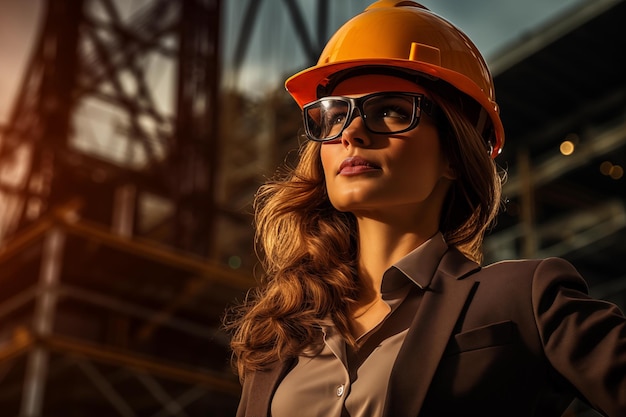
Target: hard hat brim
x,y
303,85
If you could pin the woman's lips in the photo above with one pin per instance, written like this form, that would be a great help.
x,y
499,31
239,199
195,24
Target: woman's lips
x,y
356,165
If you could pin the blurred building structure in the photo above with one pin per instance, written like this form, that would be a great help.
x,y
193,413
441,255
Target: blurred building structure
x,y
562,96
111,292
129,164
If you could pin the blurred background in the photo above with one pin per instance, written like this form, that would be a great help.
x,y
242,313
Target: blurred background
x,y
134,133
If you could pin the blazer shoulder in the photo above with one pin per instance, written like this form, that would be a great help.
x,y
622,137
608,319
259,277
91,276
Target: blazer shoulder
x,y
546,272
526,266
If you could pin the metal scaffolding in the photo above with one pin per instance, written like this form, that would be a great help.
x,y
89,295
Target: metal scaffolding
x,y
111,326
110,296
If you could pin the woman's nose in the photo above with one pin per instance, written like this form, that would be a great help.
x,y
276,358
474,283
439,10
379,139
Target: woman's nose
x,y
355,134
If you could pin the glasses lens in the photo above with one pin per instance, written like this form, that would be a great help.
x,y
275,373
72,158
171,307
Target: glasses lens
x,y
326,118
389,113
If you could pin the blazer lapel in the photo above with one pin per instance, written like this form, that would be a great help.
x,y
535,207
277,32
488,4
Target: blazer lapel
x,y
430,331
259,388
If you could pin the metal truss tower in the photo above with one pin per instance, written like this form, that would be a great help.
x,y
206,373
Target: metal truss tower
x,y
92,61
110,299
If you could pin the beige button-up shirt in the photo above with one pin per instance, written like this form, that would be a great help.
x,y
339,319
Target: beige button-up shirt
x,y
338,381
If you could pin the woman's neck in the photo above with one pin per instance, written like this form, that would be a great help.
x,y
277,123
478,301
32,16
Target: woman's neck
x,y
383,243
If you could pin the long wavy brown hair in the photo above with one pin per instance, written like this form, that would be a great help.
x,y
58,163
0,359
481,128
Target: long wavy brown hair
x,y
308,248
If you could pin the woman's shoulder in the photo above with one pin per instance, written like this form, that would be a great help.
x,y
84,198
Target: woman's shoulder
x,y
525,266
545,272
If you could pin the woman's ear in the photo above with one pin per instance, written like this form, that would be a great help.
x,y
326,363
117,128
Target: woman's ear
x,y
449,172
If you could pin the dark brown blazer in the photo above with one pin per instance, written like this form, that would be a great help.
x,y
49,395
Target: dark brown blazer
x,y
517,338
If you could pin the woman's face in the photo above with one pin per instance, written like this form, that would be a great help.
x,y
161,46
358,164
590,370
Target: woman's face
x,y
393,176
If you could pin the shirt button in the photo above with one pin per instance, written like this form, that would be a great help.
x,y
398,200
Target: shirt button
x,y
340,390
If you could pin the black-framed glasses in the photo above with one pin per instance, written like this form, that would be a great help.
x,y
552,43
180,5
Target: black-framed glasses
x,y
383,113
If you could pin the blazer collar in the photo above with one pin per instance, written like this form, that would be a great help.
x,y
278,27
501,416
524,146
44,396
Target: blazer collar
x,y
430,331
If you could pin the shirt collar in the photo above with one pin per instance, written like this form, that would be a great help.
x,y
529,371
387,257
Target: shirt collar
x,y
419,265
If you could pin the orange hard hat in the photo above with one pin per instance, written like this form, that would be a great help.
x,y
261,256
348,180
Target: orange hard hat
x,y
407,36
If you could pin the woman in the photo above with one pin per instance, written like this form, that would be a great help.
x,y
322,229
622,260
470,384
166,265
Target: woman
x,y
374,302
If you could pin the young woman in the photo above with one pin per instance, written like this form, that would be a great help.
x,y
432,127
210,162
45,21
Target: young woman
x,y
374,302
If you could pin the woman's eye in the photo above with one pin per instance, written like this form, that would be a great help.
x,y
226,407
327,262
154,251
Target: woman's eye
x,y
394,112
394,108
335,118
